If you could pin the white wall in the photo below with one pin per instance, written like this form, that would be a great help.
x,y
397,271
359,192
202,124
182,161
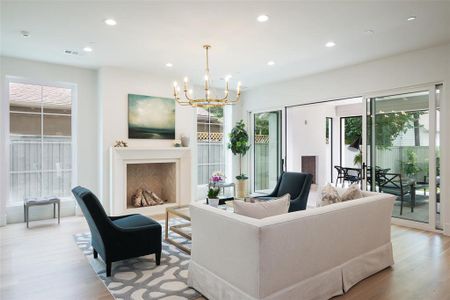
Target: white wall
x,y
114,86
404,70
306,137
86,120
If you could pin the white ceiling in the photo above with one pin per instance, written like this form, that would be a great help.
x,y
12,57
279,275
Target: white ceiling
x,y
150,34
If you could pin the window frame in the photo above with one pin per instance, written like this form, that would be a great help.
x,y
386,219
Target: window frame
x,y
6,131
223,164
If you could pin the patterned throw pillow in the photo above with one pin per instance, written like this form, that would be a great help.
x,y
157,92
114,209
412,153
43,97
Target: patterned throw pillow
x,y
329,195
352,193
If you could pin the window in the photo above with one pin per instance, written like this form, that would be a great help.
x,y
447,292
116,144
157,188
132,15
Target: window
x,y
210,141
267,150
40,143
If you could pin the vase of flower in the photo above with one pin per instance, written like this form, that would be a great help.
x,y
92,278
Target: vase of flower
x,y
216,178
184,141
213,198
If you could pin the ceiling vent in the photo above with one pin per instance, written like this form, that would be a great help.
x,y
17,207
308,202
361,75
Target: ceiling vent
x,y
71,52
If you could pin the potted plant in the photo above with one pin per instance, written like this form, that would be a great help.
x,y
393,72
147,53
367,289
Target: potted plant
x,y
239,145
410,166
213,200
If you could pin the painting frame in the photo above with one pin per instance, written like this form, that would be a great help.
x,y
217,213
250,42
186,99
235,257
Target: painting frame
x,y
151,117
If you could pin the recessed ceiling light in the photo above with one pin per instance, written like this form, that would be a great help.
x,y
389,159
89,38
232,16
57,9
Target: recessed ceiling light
x,y
330,44
110,22
270,63
25,33
411,18
169,65
87,49
262,18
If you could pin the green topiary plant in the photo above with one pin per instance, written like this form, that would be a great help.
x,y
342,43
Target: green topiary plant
x,y
239,145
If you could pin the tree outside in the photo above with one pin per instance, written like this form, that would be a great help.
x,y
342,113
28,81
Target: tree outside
x,y
388,128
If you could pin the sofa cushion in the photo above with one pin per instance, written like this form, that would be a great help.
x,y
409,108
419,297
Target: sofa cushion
x,y
263,209
352,193
330,195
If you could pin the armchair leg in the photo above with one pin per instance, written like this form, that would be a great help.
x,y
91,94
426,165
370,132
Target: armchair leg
x,y
108,269
95,253
158,257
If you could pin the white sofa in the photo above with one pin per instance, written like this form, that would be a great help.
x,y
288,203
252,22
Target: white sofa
x,y
312,254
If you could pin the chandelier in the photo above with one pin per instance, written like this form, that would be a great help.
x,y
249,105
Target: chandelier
x,y
207,100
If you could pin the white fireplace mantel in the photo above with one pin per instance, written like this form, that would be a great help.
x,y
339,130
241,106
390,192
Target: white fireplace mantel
x,y
120,157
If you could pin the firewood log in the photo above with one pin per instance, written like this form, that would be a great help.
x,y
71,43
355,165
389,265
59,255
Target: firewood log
x,y
137,198
149,198
156,198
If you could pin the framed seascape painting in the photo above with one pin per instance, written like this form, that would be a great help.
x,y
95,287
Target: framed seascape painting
x,y
151,117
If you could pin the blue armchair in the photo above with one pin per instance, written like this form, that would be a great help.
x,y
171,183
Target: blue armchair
x,y
297,185
121,237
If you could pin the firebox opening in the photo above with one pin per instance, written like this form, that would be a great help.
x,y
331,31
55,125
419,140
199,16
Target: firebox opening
x,y
151,184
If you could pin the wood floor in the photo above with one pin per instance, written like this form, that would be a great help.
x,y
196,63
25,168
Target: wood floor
x,y
44,263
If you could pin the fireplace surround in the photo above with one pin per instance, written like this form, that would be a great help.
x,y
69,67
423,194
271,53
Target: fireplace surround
x,y
164,171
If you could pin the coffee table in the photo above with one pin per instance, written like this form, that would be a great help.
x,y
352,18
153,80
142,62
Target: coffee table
x,y
182,212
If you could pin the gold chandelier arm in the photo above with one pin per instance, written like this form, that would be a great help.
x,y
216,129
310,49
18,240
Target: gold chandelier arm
x,y
186,94
181,102
225,97
238,97
186,103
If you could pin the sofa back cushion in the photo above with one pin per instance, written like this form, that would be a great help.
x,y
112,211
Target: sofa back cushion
x,y
263,209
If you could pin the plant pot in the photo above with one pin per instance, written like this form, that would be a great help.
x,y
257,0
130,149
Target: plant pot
x,y
241,188
214,202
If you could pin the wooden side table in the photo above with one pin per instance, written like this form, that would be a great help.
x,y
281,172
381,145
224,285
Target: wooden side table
x,y
28,202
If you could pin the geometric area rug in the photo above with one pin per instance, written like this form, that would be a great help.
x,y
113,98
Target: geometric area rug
x,y
140,278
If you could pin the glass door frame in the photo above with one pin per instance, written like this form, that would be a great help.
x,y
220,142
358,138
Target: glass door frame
x,y
251,131
367,103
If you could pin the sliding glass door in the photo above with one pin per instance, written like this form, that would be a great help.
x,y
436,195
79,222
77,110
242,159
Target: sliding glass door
x,y
402,152
266,151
